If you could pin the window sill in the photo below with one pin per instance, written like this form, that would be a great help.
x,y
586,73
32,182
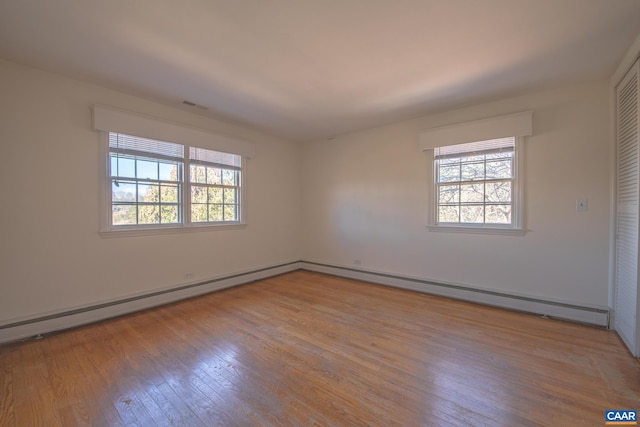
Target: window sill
x,y
477,230
150,231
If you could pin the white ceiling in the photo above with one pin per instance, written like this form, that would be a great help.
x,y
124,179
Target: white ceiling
x,y
311,69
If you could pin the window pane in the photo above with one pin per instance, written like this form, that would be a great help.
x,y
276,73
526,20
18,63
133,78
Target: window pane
x,y
228,177
472,171
473,159
215,212
498,214
449,194
450,160
230,195
198,194
148,214
448,173
147,169
169,214
499,169
229,212
169,172
198,174
123,214
123,191
122,166
215,195
199,213
214,176
500,155
472,193
148,193
448,214
498,191
168,193
472,214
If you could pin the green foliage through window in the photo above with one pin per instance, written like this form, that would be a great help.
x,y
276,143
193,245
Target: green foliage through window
x,y
149,180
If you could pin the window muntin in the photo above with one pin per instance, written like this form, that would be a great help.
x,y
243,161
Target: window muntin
x,y
150,181
475,184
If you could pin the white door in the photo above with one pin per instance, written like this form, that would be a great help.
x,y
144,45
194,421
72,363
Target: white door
x,y
627,301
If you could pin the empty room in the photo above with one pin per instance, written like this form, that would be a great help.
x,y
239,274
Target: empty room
x,y
332,213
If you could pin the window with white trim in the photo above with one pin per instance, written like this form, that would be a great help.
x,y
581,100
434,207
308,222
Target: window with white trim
x,y
214,178
477,174
160,184
476,184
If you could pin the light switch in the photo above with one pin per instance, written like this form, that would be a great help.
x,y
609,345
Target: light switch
x,y
582,205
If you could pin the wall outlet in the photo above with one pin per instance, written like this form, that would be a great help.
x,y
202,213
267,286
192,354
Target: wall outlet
x,y
188,275
357,262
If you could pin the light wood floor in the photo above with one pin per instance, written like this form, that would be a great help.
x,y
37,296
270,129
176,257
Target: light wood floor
x,y
307,349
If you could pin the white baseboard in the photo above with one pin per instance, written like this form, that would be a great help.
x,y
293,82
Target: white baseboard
x,y
26,328
555,309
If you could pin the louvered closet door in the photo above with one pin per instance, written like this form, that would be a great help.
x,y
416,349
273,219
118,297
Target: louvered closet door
x,y
627,218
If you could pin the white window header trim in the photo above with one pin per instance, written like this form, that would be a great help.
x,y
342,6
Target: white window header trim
x,y
517,124
111,119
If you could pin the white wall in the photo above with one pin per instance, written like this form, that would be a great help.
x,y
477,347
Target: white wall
x,y
365,198
51,256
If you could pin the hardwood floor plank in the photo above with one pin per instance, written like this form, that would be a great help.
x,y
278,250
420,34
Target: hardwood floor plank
x,y
220,368
134,375
311,349
33,390
7,413
91,390
75,403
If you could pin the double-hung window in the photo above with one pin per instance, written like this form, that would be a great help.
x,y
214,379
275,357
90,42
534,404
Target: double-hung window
x,y
146,181
478,174
214,180
159,184
475,183
161,175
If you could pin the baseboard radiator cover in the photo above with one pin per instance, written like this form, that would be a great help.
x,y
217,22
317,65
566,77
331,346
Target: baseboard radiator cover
x,y
27,328
558,310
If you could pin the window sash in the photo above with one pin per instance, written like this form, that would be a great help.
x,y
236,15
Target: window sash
x,y
484,204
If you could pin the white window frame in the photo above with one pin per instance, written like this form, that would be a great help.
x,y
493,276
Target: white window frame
x,y
193,159
111,119
518,125
517,202
107,229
